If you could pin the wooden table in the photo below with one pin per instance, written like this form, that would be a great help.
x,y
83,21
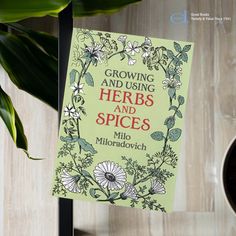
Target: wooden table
x,y
26,207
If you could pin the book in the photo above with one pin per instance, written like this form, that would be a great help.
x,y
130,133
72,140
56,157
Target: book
x,y
122,119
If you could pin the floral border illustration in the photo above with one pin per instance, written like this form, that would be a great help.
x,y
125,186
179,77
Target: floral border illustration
x,y
109,181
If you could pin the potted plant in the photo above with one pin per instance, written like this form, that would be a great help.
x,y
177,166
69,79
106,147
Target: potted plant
x,y
30,58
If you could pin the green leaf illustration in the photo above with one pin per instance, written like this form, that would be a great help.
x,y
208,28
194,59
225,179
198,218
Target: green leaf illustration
x,y
179,114
69,139
186,48
184,57
113,195
89,79
171,92
177,77
170,122
87,147
173,108
86,173
181,100
177,47
174,134
93,193
73,76
177,61
170,54
158,135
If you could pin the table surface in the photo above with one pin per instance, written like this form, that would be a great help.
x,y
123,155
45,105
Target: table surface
x,y
26,207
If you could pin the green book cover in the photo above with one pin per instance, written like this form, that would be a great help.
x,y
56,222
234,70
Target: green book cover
x,y
121,125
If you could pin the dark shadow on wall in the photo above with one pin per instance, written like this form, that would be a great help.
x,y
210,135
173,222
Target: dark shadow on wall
x,y
78,232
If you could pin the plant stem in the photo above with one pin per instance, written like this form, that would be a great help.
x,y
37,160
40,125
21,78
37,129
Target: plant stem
x,y
168,130
83,71
173,59
162,66
109,200
76,121
108,190
134,179
122,51
165,141
143,196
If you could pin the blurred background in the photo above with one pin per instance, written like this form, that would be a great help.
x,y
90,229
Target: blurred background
x,y
26,205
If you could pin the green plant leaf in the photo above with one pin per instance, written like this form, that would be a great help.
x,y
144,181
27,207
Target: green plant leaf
x,y
13,10
113,195
86,173
93,7
69,139
171,92
93,193
48,42
89,79
29,67
186,48
173,108
174,134
184,57
73,74
179,114
177,61
12,121
170,122
177,77
87,147
177,47
158,135
170,54
181,100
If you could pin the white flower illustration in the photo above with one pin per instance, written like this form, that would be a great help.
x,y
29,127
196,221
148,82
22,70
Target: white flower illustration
x,y
157,187
131,61
146,54
130,192
69,110
77,88
122,38
132,48
70,182
95,52
171,83
110,175
76,115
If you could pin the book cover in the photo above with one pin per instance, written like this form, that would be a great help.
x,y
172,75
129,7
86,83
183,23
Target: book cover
x,y
122,119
